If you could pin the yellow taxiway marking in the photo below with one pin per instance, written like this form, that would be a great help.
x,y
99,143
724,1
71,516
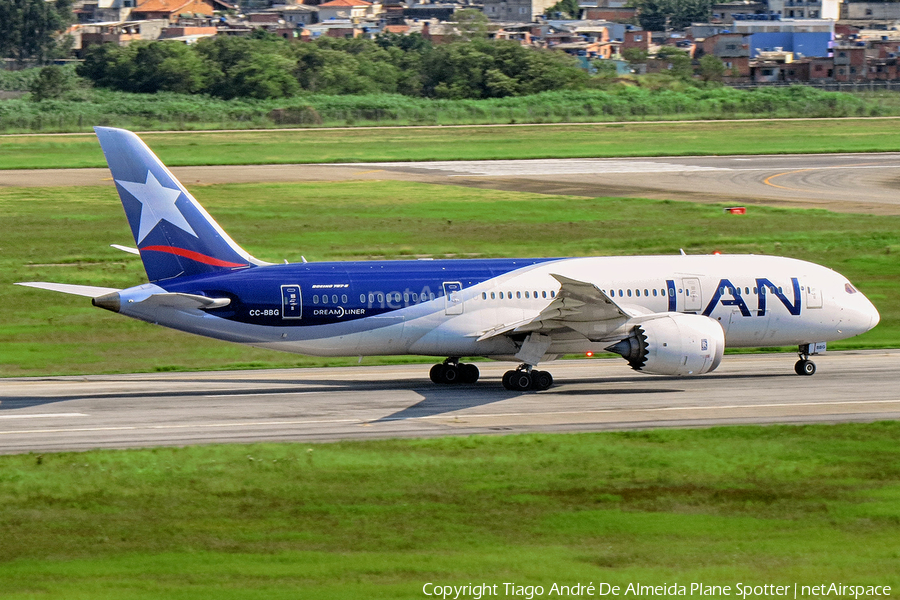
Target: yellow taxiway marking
x,y
768,180
367,172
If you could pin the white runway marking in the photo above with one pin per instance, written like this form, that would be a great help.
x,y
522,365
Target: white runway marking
x,y
501,168
43,416
191,426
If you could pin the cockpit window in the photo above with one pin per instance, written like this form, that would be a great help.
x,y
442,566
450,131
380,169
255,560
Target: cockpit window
x,y
849,288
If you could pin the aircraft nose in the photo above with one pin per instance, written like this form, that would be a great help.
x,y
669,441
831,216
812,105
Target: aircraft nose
x,y
864,316
874,317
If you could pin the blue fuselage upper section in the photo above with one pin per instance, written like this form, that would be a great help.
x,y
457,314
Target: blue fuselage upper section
x,y
308,294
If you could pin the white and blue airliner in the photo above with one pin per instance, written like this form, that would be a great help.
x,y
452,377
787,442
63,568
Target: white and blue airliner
x,y
669,315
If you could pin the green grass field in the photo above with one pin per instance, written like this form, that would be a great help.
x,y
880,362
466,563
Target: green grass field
x,y
63,235
400,144
752,505
758,505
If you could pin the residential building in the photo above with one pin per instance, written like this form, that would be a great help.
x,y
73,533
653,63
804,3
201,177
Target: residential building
x,y
294,15
821,69
336,28
94,11
348,9
803,37
870,11
635,38
521,11
725,12
120,34
850,63
807,9
607,10
171,10
439,11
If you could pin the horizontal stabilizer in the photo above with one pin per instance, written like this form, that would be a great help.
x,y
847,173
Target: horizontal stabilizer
x,y
167,300
89,291
185,301
126,249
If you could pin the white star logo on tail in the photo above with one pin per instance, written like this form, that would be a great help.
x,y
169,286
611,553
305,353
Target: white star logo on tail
x,y
157,204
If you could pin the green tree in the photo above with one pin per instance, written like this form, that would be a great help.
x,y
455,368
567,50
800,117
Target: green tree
x,y
679,61
263,76
253,67
635,55
569,8
30,29
471,23
711,68
489,69
50,83
605,69
657,15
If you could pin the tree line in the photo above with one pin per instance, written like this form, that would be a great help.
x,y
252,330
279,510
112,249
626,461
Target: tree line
x,y
29,29
266,66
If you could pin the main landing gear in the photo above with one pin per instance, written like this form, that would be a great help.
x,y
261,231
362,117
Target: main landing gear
x,y
526,378
804,366
453,371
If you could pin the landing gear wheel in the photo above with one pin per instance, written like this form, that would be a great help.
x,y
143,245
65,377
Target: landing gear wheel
x,y
541,380
437,373
468,373
450,374
507,380
805,367
517,381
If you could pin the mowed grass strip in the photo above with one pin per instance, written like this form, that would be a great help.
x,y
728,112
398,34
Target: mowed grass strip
x,y
758,505
63,235
470,143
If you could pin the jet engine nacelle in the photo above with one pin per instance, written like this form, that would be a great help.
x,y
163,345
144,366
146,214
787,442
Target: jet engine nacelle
x,y
675,344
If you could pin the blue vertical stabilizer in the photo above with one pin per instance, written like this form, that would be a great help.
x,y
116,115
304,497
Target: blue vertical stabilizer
x,y
175,235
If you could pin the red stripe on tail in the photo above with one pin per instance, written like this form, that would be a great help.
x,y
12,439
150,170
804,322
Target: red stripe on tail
x,y
202,258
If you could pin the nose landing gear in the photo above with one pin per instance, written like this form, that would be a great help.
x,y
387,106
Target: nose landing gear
x,y
804,366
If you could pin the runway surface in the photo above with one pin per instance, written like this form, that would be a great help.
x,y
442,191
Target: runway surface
x,y
843,182
305,405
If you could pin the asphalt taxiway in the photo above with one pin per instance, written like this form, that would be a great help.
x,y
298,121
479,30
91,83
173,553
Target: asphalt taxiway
x,y
868,183
306,405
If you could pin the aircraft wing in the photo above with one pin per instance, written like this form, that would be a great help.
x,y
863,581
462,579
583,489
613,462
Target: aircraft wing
x,y
579,306
88,291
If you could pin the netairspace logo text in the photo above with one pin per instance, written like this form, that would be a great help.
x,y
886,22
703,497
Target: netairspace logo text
x,y
477,591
